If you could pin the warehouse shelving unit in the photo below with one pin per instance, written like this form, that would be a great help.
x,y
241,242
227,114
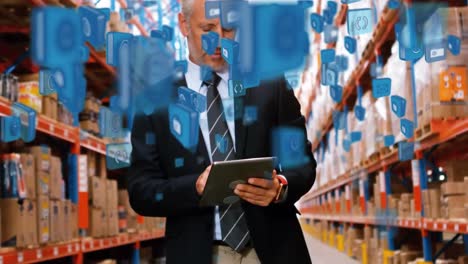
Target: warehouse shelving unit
x,y
75,248
442,134
99,75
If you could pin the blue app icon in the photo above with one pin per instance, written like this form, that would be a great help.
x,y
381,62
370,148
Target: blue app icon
x,y
168,32
94,23
347,144
289,147
306,3
192,100
118,155
181,66
212,9
317,22
393,4
110,123
56,37
454,44
349,1
389,140
355,136
230,13
222,143
206,74
210,42
410,54
327,16
179,162
336,93
118,43
339,120
236,88
10,128
331,75
330,34
398,105
293,80
250,115
184,125
159,34
360,112
229,50
333,7
381,87
150,138
435,52
73,91
27,117
270,53
359,21
327,55
350,44
49,80
341,63
407,128
375,70
405,150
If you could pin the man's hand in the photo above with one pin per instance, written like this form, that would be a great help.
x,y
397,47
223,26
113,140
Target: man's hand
x,y
259,191
201,181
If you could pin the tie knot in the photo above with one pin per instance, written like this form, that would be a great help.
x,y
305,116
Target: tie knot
x,y
213,81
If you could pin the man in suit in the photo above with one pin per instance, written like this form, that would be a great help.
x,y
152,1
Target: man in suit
x,y
262,226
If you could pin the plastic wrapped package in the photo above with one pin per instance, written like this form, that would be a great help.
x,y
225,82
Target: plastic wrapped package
x,y
384,122
398,71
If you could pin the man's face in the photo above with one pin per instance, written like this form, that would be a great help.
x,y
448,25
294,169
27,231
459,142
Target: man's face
x,y
194,27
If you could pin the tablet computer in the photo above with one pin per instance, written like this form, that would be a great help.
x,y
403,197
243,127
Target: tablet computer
x,y
225,175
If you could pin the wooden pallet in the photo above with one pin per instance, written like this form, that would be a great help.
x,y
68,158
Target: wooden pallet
x,y
422,131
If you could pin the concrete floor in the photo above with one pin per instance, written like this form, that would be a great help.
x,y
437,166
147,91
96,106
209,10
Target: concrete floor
x,y
323,254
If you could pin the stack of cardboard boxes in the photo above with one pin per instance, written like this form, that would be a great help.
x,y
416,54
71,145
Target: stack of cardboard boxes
x,y
50,106
431,202
43,216
28,92
90,115
453,200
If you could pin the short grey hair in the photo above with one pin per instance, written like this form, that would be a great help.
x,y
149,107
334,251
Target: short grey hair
x,y
187,7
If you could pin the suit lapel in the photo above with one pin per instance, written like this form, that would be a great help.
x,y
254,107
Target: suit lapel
x,y
201,147
241,130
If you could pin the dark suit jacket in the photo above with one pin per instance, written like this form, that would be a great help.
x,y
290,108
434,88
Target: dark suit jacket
x,y
275,230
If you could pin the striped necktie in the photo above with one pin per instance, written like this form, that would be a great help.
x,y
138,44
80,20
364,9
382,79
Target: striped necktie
x,y
234,228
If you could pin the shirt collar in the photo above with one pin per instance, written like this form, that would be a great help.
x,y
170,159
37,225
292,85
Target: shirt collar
x,y
192,76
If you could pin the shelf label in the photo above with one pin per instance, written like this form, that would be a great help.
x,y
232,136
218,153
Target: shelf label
x,y
82,173
101,243
39,254
415,172
456,227
1,259
337,195
347,192
69,248
20,257
56,251
382,181
77,247
51,127
444,226
65,132
435,225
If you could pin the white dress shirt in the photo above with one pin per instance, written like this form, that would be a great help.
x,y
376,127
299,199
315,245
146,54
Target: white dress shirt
x,y
194,82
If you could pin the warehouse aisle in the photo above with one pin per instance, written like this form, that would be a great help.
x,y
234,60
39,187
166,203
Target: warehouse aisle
x,y
323,254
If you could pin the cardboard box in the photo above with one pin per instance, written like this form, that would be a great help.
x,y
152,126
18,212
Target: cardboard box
x,y
124,200
102,171
18,223
112,223
452,188
28,94
56,178
91,163
97,192
57,221
96,222
454,201
66,216
74,220
43,219
456,170
42,162
29,173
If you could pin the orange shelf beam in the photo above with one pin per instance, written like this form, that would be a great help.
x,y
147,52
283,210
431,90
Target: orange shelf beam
x,y
76,247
